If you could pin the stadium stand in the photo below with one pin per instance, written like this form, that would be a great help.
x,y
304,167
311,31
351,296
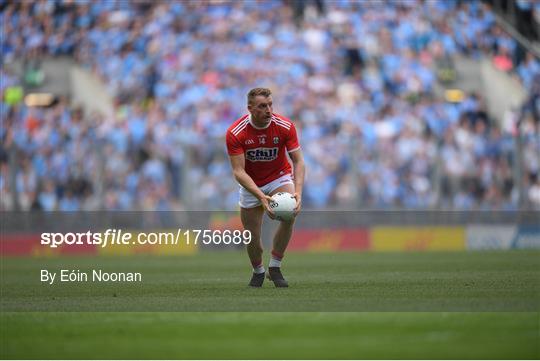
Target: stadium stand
x,y
359,78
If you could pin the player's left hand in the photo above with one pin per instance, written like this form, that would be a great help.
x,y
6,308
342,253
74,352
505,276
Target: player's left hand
x,y
298,198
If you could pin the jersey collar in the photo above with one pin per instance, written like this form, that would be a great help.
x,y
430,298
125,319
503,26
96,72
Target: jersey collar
x,y
256,127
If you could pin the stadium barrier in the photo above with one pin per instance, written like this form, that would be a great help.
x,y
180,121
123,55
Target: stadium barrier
x,y
482,237
315,232
417,239
323,240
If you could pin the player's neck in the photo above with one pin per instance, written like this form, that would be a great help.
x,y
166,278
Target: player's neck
x,y
260,123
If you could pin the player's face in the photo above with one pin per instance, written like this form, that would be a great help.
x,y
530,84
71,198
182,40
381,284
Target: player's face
x,y
261,109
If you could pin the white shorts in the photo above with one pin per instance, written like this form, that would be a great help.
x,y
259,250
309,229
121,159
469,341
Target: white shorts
x,y
248,200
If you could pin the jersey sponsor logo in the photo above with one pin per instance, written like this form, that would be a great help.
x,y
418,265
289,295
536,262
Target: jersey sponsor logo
x,y
262,154
250,141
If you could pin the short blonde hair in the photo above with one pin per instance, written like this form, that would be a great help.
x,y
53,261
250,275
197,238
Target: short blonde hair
x,y
258,91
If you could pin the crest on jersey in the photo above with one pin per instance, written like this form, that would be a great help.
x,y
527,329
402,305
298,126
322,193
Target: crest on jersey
x,y
262,139
276,140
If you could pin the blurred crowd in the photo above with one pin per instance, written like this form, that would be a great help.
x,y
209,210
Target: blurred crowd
x,y
358,79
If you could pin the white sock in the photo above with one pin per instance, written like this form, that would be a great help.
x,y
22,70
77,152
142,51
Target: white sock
x,y
274,262
259,269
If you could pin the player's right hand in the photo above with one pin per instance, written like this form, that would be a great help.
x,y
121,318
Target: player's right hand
x,y
266,200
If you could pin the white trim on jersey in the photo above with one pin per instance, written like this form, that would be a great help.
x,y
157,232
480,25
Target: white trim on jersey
x,y
282,119
293,150
281,123
241,129
240,126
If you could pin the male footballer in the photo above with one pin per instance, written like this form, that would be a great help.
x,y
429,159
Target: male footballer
x,y
256,144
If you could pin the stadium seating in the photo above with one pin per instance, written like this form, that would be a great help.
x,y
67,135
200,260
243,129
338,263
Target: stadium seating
x,y
359,79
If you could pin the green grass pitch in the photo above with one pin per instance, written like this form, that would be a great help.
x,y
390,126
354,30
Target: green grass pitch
x,y
340,305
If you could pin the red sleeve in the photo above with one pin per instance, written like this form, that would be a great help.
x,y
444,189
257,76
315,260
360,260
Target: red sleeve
x,y
234,147
292,143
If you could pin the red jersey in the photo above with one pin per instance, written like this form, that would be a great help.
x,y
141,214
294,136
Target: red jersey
x,y
264,149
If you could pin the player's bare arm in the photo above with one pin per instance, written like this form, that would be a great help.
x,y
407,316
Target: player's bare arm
x,y
238,167
299,170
